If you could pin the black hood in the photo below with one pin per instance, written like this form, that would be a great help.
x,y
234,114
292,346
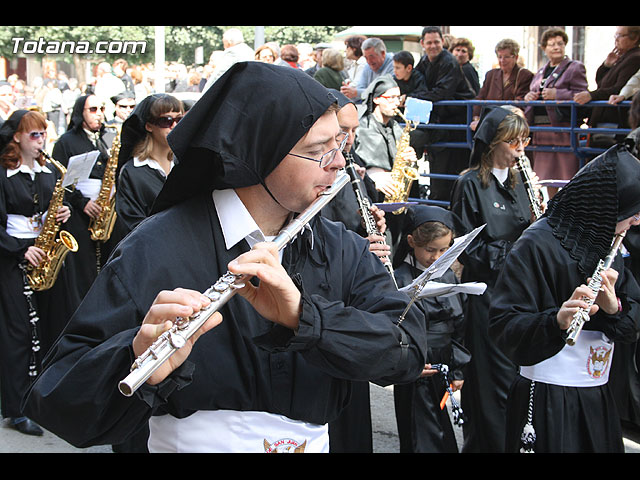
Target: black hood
x,y
241,128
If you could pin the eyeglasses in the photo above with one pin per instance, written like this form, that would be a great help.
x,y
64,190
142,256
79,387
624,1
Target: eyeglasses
x,y
516,141
95,109
391,98
37,135
326,159
126,106
166,122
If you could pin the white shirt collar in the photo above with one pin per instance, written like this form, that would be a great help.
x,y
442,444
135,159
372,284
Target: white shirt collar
x,y
151,163
236,221
25,169
501,174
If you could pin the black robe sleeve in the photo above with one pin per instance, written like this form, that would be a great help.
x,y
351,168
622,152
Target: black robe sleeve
x,y
137,189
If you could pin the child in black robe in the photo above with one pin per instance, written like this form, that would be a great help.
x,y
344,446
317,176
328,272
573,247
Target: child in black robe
x,y
424,426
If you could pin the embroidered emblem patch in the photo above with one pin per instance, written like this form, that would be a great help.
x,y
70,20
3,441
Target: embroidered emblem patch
x,y
598,361
284,445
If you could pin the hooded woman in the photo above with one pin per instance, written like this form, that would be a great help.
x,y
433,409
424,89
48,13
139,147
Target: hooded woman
x,y
27,183
145,158
277,360
561,393
490,193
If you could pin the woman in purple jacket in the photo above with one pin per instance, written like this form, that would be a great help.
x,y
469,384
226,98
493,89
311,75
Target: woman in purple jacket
x,y
560,79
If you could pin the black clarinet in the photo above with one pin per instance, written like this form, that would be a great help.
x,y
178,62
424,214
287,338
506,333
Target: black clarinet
x,y
364,208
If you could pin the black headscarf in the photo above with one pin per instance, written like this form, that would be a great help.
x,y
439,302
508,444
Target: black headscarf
x,y
486,131
241,129
376,88
584,213
133,128
420,214
9,127
75,122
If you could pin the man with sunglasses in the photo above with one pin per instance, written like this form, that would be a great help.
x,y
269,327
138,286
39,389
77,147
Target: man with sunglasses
x,y
124,103
376,141
86,132
273,365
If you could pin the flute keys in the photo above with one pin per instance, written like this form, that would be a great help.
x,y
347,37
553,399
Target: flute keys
x,y
176,341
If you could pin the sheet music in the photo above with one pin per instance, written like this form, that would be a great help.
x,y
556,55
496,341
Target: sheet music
x,y
80,167
438,289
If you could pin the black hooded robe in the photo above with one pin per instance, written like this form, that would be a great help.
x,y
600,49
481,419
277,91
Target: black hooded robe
x,y
350,309
506,213
423,427
52,307
555,255
91,255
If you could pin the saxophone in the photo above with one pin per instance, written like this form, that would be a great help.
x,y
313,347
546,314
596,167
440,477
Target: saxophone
x,y
403,173
582,315
534,199
56,243
102,226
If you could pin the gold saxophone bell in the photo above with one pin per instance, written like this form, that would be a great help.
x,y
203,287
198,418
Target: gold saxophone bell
x,y
402,173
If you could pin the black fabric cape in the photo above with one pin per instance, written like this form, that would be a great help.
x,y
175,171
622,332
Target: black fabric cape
x,y
422,426
137,189
537,277
347,332
490,373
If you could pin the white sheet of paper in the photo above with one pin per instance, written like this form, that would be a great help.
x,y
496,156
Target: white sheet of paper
x,y
437,268
79,167
438,289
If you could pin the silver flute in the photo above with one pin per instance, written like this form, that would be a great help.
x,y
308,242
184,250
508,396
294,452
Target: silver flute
x,y
582,315
522,164
363,207
219,293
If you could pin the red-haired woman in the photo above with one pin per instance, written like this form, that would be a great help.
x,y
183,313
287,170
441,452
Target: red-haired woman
x,y
27,183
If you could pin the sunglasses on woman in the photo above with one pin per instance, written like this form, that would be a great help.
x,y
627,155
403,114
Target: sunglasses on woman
x,y
37,135
167,121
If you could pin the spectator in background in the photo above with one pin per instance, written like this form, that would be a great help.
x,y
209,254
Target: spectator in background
x,y
107,85
265,53
559,79
405,75
317,53
235,50
463,50
289,54
379,63
354,53
628,91
507,82
331,75
444,80
7,101
616,70
120,67
306,60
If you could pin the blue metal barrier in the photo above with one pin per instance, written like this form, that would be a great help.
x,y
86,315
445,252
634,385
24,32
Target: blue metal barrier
x,y
578,132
